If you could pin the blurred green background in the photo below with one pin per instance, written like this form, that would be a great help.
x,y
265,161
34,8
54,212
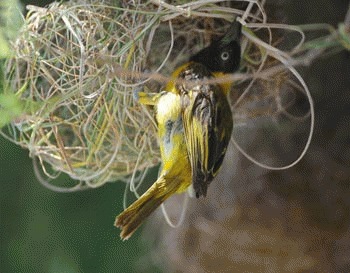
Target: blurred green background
x,y
45,231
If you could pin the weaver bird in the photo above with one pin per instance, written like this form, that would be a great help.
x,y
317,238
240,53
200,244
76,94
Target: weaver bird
x,y
194,127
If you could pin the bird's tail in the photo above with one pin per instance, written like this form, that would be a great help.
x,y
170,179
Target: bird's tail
x,y
133,216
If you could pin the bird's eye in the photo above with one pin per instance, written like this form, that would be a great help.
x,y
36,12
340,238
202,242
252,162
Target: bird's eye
x,y
225,56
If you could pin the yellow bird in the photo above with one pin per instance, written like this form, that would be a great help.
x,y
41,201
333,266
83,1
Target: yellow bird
x,y
194,127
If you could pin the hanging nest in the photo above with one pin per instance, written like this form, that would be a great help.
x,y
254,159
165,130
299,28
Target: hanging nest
x,y
78,64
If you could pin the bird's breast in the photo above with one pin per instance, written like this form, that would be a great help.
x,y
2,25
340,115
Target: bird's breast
x,y
170,127
168,108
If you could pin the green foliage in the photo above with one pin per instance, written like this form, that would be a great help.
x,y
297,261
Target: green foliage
x,y
10,23
4,48
10,107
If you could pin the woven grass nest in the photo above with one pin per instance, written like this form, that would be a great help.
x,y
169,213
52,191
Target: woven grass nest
x,y
79,63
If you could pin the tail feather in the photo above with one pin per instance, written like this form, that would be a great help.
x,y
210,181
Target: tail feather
x,y
133,216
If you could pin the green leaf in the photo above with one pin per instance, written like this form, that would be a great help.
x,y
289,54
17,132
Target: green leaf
x,y
11,21
10,108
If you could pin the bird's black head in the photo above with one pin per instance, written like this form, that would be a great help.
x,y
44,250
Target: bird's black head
x,y
224,54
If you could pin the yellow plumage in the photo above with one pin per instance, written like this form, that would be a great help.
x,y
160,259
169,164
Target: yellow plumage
x,y
194,127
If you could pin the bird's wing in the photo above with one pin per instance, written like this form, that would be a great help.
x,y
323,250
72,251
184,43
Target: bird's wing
x,y
207,122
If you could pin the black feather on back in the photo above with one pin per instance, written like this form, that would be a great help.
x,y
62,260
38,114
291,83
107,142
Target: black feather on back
x,y
207,105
